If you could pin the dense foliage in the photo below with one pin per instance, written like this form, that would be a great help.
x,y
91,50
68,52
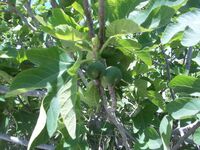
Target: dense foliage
x,y
113,74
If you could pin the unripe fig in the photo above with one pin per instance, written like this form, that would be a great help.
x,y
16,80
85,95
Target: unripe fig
x,y
96,69
112,75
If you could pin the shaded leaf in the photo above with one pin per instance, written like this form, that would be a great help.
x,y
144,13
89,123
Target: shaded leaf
x,y
156,99
5,76
91,95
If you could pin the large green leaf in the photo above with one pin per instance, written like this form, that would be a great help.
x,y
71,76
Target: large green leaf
x,y
118,9
184,108
186,84
39,125
166,126
61,26
52,63
122,26
187,23
157,13
67,99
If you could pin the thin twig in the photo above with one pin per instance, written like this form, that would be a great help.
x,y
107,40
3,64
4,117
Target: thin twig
x,y
23,142
188,60
168,72
101,22
88,15
189,132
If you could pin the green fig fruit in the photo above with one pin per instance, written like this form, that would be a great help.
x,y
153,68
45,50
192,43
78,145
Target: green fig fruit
x,y
112,75
96,69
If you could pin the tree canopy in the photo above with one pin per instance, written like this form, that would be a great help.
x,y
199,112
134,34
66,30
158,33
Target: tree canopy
x,y
100,74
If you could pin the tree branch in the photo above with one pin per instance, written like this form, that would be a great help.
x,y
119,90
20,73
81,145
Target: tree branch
x,y
101,22
112,117
189,129
23,142
113,97
27,6
168,72
87,11
188,60
34,93
54,4
83,78
22,17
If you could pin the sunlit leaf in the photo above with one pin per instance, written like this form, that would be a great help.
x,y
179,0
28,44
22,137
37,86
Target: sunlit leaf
x,y
187,23
166,126
196,136
52,116
39,125
184,108
67,99
122,26
157,13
